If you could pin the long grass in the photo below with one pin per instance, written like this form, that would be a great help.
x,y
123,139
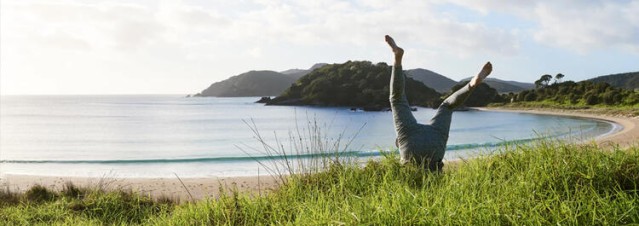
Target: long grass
x,y
79,206
307,149
546,182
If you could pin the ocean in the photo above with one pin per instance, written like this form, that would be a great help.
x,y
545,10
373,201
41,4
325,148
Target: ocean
x,y
168,135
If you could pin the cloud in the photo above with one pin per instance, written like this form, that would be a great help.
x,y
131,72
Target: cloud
x,y
363,23
62,41
134,34
581,26
185,25
588,27
104,25
255,52
191,26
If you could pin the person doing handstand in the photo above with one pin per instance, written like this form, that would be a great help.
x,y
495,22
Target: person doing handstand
x,y
424,143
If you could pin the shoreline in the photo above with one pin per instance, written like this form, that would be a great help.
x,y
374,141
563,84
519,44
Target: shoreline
x,y
186,189
626,137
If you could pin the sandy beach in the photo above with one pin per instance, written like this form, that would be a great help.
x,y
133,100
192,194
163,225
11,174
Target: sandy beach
x,y
627,136
186,189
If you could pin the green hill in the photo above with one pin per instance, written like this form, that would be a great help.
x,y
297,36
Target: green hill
x,y
503,86
483,95
628,80
298,73
443,84
252,83
431,79
353,84
256,83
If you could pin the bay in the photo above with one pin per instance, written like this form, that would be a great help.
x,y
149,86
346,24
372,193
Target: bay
x,y
164,135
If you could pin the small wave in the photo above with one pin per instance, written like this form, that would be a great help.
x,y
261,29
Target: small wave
x,y
456,147
185,160
369,153
615,128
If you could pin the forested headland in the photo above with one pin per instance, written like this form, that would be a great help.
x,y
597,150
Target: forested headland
x,y
353,84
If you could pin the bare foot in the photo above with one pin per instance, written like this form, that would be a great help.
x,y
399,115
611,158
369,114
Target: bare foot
x,y
485,71
399,52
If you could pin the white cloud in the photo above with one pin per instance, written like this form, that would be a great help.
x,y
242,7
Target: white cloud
x,y
588,27
130,26
177,24
255,52
363,23
40,24
577,25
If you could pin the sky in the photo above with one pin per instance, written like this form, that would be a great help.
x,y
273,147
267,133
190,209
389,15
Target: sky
x,y
181,47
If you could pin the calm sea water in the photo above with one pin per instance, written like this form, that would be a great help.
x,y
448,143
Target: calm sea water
x,y
163,135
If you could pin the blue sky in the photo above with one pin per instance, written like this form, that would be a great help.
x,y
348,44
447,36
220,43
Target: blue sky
x,y
155,47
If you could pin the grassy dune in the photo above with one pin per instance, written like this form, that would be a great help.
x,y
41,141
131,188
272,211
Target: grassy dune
x,y
542,183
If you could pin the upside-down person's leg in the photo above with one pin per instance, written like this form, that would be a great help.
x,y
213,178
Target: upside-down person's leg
x,y
460,96
443,117
402,115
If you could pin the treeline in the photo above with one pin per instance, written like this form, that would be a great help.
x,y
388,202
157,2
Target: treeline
x,y
576,93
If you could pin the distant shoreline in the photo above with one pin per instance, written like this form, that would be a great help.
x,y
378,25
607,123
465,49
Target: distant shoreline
x,y
627,136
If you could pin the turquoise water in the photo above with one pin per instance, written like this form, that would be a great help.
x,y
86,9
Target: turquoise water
x,y
163,135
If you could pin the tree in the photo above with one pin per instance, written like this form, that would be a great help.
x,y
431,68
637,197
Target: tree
x,y
591,98
530,96
558,78
538,84
543,81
